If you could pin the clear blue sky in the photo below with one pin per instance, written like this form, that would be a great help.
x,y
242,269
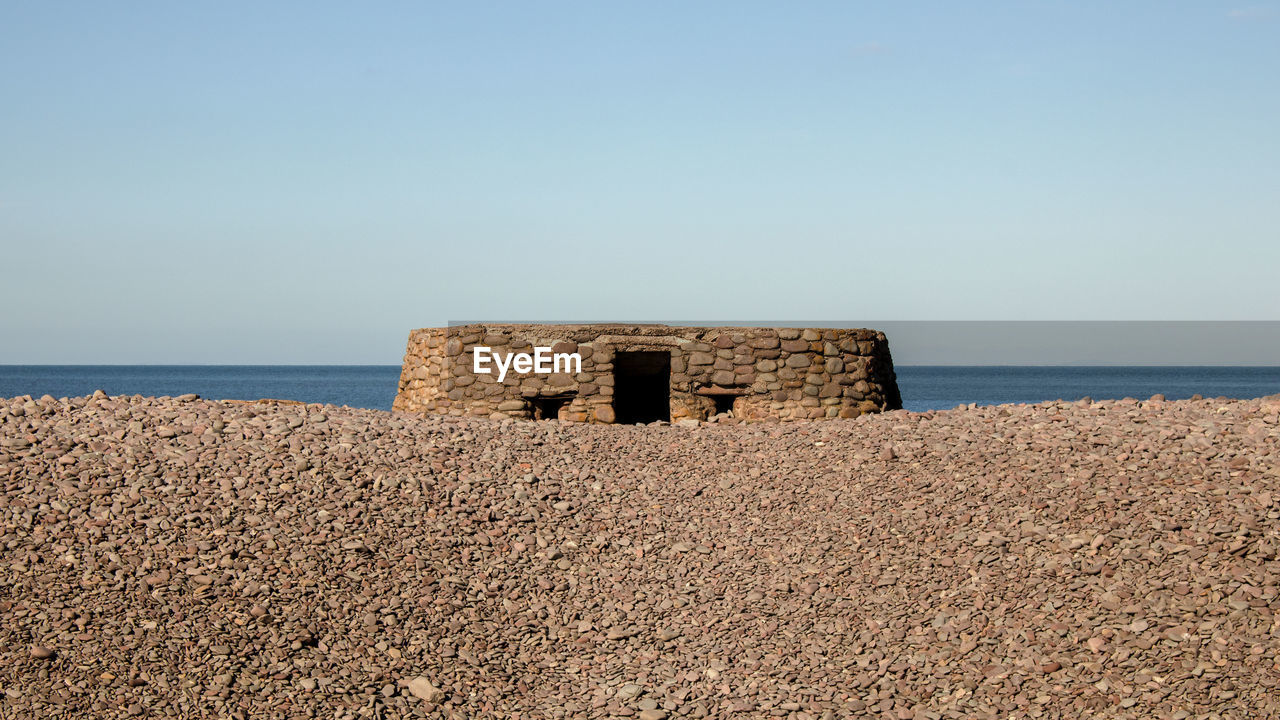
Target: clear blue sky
x,y
305,182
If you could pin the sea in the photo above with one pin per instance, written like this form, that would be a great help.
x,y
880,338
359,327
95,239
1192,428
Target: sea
x,y
374,386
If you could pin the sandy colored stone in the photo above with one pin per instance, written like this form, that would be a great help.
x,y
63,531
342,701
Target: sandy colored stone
x,y
422,689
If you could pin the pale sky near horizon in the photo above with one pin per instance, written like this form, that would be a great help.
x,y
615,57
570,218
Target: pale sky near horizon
x,y
305,182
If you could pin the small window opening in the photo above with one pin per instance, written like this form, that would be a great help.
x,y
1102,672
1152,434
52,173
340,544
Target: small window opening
x,y
548,408
724,404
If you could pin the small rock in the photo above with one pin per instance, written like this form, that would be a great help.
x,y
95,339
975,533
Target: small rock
x,y
40,652
620,633
422,689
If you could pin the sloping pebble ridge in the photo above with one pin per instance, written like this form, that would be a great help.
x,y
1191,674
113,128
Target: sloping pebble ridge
x,y
176,557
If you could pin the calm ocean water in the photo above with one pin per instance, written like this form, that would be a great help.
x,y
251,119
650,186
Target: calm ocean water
x,y
364,386
929,388
374,386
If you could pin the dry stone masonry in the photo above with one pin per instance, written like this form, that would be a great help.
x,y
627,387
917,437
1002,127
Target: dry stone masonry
x,y
647,373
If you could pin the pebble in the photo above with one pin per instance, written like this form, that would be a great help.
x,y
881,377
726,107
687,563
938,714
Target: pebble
x,y
1065,559
424,690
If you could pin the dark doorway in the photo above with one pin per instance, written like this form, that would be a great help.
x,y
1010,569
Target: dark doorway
x,y
724,404
642,386
548,408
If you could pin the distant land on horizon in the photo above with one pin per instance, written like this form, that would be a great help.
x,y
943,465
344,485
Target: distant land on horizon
x,y
912,342
1045,343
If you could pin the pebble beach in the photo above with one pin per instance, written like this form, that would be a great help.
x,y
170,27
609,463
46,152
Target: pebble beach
x,y
177,557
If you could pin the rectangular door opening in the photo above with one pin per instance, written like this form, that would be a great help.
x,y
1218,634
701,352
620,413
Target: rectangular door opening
x,y
642,387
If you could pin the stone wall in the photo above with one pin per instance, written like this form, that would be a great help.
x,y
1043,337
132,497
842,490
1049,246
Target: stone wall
x,y
752,373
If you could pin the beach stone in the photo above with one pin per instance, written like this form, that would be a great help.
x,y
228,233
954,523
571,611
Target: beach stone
x,y
422,689
41,652
1052,560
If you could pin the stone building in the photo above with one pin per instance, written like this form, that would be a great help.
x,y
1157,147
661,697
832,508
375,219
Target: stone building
x,y
647,373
